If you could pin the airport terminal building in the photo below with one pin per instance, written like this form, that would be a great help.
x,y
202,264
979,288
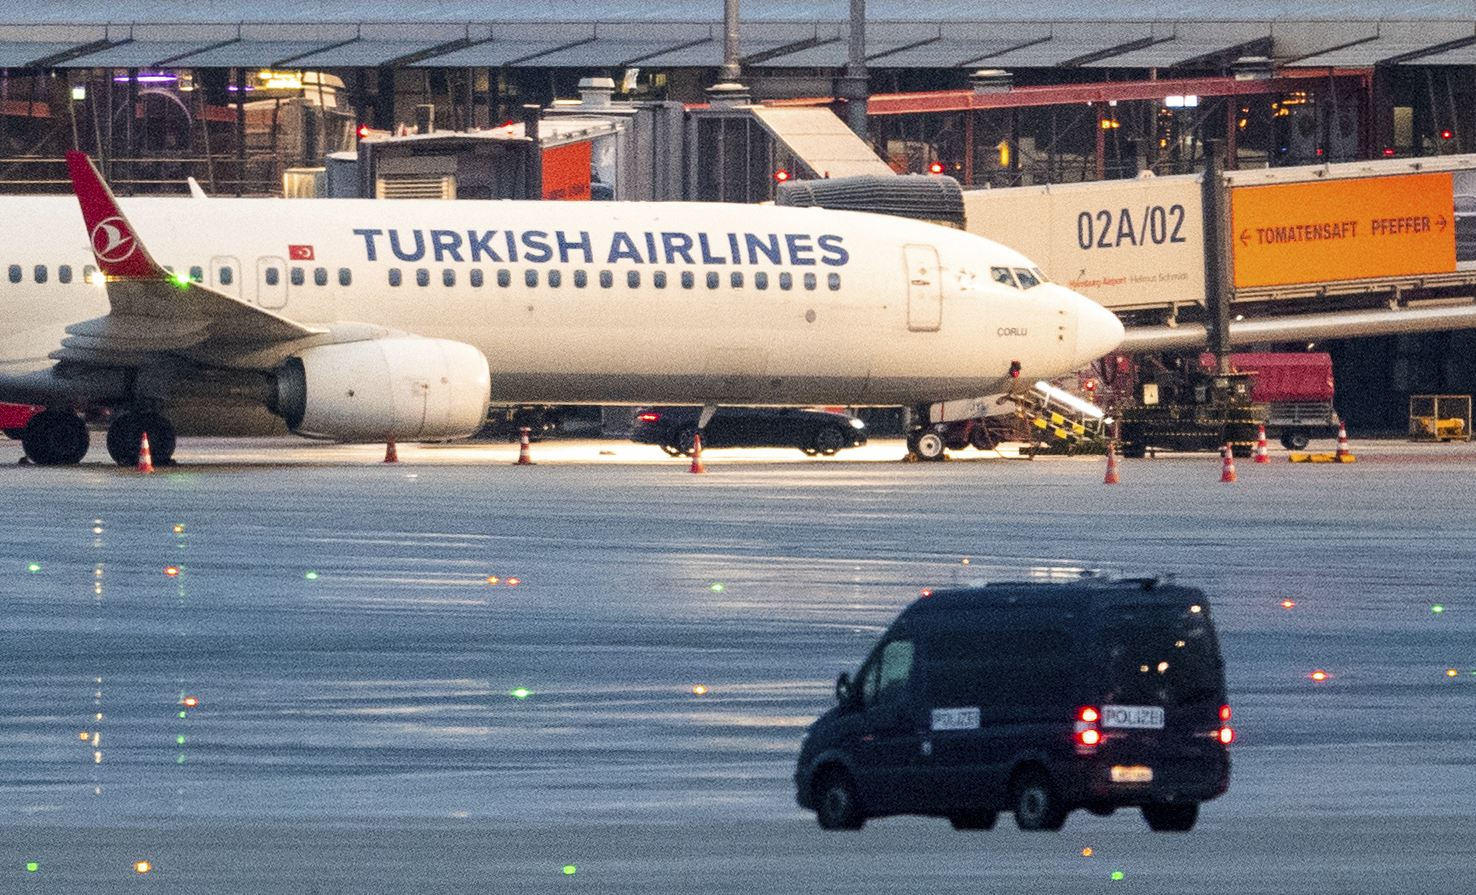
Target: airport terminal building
x,y
246,96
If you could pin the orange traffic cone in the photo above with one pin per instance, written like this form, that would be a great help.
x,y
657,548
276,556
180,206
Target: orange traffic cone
x,y
524,459
1111,478
390,454
1261,455
145,457
1344,455
697,453
1227,469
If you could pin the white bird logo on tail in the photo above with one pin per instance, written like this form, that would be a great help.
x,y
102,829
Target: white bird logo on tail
x,y
112,240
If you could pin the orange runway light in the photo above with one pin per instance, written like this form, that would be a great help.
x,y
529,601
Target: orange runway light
x,y
171,571
1287,604
699,689
1319,675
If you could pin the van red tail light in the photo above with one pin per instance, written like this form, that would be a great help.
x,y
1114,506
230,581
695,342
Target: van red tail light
x,y
649,417
1087,735
1224,713
1227,733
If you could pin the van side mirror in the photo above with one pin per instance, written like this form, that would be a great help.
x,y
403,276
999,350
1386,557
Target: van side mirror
x,y
843,688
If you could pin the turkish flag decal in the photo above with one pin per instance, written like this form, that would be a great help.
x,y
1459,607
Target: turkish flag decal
x,y
300,253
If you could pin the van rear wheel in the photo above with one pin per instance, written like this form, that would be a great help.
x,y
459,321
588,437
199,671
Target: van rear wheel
x,y
973,820
1037,807
1178,818
837,806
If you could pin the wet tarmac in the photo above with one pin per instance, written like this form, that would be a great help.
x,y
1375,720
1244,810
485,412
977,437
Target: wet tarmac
x,y
282,667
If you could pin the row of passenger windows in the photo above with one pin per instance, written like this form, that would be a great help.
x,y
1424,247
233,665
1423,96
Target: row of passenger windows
x,y
272,276
555,279
40,273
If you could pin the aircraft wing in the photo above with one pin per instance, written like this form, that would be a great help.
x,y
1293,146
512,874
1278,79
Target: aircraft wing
x,y
151,310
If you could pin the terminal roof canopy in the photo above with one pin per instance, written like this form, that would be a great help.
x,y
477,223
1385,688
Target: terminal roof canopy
x,y
775,33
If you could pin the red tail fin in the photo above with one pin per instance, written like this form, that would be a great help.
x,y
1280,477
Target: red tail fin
x,y
116,246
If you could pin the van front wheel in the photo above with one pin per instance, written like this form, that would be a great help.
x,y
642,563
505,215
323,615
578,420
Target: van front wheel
x,y
837,807
1177,818
1037,807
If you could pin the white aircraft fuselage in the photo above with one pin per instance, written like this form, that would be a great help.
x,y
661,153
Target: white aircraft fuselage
x,y
578,302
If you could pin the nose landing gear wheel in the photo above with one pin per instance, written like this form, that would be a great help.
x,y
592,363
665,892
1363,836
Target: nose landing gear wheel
x,y
927,445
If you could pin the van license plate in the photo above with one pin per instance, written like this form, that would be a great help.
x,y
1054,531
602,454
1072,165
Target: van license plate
x,y
1131,773
1148,717
956,719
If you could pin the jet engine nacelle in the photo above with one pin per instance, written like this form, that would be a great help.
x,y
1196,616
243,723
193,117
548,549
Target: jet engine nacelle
x,y
406,387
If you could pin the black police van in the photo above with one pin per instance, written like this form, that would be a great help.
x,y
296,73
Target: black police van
x,y
1035,698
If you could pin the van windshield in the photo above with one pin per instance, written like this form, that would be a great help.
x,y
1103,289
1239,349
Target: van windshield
x,y
1161,655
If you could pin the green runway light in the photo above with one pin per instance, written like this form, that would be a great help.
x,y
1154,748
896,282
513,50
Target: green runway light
x,y
180,739
717,588
570,870
1116,875
1437,608
32,866
311,576
519,693
33,567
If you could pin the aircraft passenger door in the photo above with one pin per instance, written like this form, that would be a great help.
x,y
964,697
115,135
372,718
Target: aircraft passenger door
x,y
924,289
225,275
271,282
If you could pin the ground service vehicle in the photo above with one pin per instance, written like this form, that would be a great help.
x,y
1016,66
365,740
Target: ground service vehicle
x,y
821,432
1035,698
1184,408
1297,391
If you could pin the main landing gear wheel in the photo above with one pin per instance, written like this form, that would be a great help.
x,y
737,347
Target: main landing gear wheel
x,y
125,438
55,438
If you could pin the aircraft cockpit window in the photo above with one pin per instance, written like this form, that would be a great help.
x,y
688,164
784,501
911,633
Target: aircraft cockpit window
x,y
1039,275
1026,278
394,276
786,280
320,275
15,273
64,273
735,280
298,277
346,277
760,280
448,277
810,282
833,281
40,273
1003,275
422,276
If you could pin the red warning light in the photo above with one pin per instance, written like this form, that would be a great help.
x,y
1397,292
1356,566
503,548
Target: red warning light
x,y
1447,135
781,175
1388,151
508,127
935,168
363,131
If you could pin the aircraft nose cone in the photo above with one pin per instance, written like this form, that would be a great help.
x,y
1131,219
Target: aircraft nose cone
x,y
1098,331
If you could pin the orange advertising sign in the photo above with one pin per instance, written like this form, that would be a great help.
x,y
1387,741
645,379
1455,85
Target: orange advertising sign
x,y
1343,230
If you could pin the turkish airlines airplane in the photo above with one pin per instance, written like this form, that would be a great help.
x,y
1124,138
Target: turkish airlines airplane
x,y
367,320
